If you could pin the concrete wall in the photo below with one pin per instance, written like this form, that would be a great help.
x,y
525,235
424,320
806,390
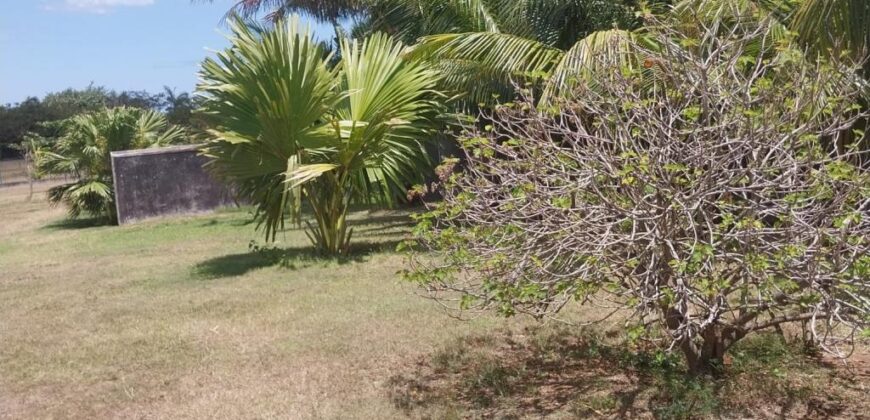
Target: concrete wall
x,y
165,181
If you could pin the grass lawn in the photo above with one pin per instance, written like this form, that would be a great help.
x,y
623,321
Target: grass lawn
x,y
177,318
12,171
180,319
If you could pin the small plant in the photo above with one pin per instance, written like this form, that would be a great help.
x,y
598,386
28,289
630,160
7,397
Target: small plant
x,y
589,405
488,381
450,358
685,398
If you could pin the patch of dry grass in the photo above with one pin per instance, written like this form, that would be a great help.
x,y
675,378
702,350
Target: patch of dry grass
x,y
179,319
182,318
12,171
558,372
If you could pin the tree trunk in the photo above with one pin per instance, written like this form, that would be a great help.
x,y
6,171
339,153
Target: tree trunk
x,y
330,203
708,356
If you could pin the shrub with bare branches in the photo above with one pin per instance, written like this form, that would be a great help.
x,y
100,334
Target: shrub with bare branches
x,y
698,185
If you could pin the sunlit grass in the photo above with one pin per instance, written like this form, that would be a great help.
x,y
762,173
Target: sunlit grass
x,y
196,317
183,317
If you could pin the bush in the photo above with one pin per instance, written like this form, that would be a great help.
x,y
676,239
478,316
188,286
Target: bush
x,y
702,188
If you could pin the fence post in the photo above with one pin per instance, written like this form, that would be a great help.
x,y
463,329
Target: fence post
x,y
28,171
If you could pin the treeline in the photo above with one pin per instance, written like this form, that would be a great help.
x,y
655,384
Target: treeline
x,y
43,118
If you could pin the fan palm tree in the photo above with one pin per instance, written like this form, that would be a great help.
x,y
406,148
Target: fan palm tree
x,y
84,151
290,127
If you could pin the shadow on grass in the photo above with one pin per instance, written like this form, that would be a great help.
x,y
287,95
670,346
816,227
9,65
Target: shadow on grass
x,y
577,373
368,224
383,220
76,224
287,258
225,222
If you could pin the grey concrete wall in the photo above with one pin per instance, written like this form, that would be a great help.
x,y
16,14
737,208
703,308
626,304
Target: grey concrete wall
x,y
164,181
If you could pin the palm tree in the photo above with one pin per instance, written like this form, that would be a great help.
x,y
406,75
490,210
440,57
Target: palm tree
x,y
483,47
180,108
480,46
332,11
291,127
825,27
484,44
84,151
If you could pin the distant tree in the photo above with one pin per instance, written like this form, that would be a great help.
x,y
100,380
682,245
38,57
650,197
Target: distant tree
x,y
16,120
84,151
44,119
134,99
180,108
69,102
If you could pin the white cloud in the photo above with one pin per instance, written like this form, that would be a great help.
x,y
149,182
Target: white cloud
x,y
95,6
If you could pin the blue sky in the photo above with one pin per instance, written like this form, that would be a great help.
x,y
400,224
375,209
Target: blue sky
x,y
49,45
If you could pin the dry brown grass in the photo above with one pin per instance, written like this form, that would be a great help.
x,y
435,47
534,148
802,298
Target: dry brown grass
x,y
12,171
179,319
555,372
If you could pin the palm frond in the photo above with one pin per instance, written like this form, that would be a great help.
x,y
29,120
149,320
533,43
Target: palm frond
x,y
275,10
583,58
502,54
829,26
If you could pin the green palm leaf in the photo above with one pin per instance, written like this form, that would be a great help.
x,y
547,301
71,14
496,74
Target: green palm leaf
x,y
503,53
831,25
612,47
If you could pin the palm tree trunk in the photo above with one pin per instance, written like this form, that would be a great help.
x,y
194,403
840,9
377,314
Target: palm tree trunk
x,y
330,201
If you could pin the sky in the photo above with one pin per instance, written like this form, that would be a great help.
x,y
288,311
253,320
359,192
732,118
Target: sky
x,y
50,45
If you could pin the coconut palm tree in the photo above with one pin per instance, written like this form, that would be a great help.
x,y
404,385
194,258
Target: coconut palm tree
x,y
484,47
289,127
331,11
84,151
832,28
484,43
827,26
481,46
